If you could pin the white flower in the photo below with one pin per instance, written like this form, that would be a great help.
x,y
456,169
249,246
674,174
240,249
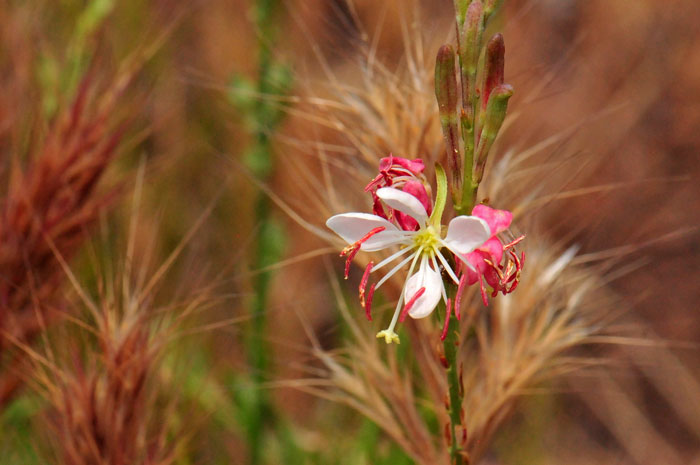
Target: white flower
x,y
423,289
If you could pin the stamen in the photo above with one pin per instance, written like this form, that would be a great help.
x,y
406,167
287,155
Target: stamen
x,y
395,269
374,182
442,287
514,242
509,271
410,303
445,326
368,304
498,271
446,265
484,296
351,250
401,169
461,258
363,282
389,334
458,297
391,258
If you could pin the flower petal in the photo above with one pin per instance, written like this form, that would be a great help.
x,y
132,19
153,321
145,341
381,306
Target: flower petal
x,y
432,282
417,189
498,220
466,233
403,202
476,259
415,166
354,226
494,248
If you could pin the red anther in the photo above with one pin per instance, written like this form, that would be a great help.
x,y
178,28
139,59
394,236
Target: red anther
x,y
448,314
357,244
514,286
384,169
509,275
368,304
363,282
410,303
498,271
351,250
458,297
484,297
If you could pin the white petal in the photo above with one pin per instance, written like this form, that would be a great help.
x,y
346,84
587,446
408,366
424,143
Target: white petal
x,y
403,202
466,233
432,282
354,226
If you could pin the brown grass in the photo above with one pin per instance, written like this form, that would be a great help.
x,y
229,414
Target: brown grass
x,y
47,210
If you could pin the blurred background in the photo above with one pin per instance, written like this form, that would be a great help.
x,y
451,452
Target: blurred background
x,y
165,292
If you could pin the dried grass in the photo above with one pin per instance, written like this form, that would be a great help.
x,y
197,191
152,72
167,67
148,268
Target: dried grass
x,y
47,209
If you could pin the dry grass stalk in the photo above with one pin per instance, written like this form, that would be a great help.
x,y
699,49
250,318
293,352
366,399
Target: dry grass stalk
x,y
103,410
111,398
47,209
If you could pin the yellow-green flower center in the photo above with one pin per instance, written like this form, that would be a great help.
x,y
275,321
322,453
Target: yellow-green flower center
x,y
427,239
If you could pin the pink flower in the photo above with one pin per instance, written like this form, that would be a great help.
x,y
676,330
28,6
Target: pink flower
x,y
486,259
395,170
404,174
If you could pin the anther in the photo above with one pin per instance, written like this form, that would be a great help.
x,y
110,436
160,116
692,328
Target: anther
x,y
363,282
368,304
351,250
484,297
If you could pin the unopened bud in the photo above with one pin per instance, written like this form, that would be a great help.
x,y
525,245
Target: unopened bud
x,y
461,11
495,114
448,434
470,49
494,67
446,93
441,356
489,7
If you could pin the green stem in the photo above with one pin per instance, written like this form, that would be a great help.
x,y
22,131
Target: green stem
x,y
450,345
262,412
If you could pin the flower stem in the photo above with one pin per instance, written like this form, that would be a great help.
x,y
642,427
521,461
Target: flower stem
x,y
264,117
450,345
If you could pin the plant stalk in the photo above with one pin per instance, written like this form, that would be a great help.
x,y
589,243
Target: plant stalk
x,y
455,394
